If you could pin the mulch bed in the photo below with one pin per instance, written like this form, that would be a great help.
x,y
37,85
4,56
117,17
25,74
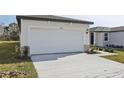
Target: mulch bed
x,y
12,74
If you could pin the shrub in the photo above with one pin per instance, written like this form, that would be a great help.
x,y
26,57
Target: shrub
x,y
106,50
97,48
111,50
121,46
115,46
25,51
107,45
100,49
91,51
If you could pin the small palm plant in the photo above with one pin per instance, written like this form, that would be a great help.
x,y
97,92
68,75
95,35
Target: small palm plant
x,y
25,52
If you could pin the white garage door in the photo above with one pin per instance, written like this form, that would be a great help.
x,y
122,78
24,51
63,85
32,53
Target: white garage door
x,y
44,41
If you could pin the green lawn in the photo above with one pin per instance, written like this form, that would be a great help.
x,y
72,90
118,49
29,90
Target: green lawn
x,y
118,58
10,63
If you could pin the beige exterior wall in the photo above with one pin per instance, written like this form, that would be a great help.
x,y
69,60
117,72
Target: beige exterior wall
x,y
99,39
117,38
27,24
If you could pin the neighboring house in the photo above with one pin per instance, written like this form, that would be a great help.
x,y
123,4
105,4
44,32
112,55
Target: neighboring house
x,y
45,34
102,36
1,30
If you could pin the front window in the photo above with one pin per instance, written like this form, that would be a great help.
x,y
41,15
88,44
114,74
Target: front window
x,y
106,36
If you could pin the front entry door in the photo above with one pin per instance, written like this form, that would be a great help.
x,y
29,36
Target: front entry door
x,y
92,38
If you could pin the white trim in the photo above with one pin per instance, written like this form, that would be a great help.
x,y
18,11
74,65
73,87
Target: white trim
x,y
54,27
94,42
82,39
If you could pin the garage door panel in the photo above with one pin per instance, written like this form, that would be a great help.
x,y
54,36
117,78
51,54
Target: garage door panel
x,y
54,41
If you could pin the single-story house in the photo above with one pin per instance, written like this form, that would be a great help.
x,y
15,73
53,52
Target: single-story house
x,y
104,36
45,34
1,30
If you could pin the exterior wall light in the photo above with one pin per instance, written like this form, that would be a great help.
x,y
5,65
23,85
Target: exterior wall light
x,y
87,31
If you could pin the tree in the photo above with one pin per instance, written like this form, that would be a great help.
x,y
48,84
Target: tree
x,y
6,33
13,31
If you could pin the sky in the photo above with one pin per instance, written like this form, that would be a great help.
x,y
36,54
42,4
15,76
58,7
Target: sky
x,y
6,19
104,20
99,20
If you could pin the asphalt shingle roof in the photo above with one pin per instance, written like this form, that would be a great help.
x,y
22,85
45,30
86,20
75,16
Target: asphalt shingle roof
x,y
52,18
109,29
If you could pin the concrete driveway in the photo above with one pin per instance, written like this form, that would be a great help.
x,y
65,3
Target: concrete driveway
x,y
76,66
